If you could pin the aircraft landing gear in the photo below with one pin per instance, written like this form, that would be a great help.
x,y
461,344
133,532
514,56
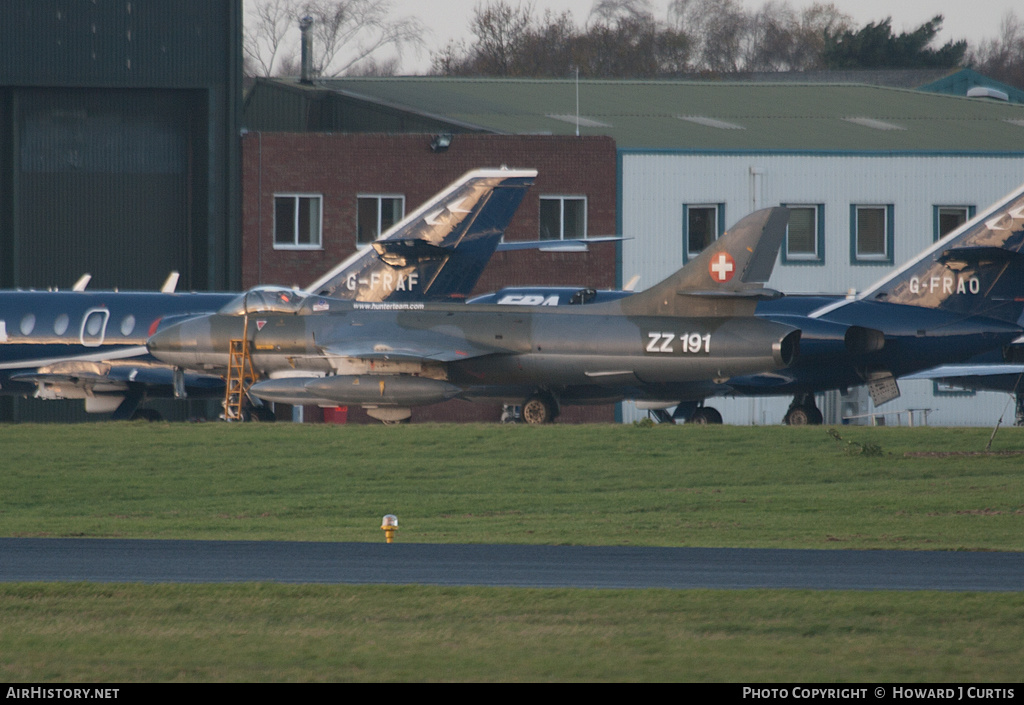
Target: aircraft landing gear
x,y
540,408
705,415
661,416
262,413
803,412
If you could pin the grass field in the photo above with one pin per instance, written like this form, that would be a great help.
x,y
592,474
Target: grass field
x,y
621,485
615,485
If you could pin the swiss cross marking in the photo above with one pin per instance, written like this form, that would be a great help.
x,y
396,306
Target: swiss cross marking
x,y
722,267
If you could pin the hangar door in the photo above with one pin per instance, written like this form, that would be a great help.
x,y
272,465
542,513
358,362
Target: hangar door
x,y
104,183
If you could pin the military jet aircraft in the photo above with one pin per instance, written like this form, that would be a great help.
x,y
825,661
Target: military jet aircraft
x,y
959,298
90,345
678,338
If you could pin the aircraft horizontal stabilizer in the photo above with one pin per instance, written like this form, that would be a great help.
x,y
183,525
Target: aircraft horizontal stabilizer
x,y
402,253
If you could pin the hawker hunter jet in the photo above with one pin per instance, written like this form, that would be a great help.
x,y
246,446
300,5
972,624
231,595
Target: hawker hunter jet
x,y
90,345
681,337
961,297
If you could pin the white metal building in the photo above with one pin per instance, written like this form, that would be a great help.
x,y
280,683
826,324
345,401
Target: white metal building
x,y
873,174
915,197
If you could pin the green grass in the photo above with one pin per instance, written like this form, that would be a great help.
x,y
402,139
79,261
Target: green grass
x,y
620,485
617,485
117,633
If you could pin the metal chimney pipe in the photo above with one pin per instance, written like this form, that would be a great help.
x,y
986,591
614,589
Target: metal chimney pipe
x,y
305,24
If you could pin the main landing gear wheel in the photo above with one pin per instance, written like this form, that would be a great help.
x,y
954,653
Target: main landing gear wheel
x,y
705,415
803,416
538,409
262,413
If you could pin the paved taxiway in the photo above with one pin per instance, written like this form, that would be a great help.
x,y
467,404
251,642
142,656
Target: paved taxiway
x,y
153,561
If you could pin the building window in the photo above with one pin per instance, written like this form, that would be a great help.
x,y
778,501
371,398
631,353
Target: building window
x,y
563,217
375,215
297,221
805,235
946,219
871,234
702,224
945,389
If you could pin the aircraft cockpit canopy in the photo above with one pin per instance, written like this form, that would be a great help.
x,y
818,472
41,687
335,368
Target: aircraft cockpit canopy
x,y
264,299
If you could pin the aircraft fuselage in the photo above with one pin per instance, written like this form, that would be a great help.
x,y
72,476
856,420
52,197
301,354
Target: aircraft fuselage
x,y
485,346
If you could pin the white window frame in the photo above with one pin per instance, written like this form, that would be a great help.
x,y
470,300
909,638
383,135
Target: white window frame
x,y
379,197
967,211
297,199
716,227
884,257
818,256
561,216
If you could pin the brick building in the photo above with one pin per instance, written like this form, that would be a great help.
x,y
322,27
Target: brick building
x,y
360,183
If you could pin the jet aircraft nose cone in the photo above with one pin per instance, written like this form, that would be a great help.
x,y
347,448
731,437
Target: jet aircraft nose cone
x,y
191,344
176,338
166,339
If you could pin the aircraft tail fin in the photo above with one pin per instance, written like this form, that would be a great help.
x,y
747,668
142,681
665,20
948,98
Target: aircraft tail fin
x,y
728,277
976,270
438,251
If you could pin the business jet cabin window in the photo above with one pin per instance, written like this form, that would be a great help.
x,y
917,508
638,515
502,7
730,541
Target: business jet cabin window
x,y
298,221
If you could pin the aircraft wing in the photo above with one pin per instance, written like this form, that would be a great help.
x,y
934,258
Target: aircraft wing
x,y
556,245
35,363
114,377
981,370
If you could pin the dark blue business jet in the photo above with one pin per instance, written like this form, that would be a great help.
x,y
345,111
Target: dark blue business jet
x,y
91,345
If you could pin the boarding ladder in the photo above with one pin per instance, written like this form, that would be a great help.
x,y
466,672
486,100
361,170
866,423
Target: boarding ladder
x,y
241,375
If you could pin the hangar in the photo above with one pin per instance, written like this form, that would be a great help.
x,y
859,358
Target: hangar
x,y
874,174
119,151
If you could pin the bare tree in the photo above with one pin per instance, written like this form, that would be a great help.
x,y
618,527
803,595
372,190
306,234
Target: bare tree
x,y
500,30
612,12
550,46
816,22
717,28
780,40
772,38
624,40
1002,58
345,33
266,24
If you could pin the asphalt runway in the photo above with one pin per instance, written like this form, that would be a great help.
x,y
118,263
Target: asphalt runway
x,y
159,561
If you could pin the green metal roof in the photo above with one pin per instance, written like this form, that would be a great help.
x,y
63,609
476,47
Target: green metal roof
x,y
721,115
963,80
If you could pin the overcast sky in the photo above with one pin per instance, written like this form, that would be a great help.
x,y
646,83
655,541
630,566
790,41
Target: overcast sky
x,y
964,19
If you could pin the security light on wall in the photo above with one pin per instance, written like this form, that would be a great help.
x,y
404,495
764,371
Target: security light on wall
x,y
441,142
